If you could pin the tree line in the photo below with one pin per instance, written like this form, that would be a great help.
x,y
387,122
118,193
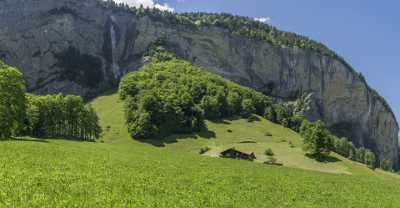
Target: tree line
x,y
23,114
319,142
57,115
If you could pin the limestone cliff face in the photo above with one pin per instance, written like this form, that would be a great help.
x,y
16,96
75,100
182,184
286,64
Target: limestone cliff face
x,y
35,34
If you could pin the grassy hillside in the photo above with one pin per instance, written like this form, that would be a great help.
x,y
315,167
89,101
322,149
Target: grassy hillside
x,y
121,172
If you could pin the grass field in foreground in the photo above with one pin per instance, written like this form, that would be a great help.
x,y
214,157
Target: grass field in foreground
x,y
122,172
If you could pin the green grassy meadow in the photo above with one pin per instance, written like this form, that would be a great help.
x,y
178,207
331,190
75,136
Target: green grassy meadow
x,y
118,171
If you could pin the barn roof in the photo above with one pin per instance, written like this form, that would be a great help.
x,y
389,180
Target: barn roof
x,y
237,150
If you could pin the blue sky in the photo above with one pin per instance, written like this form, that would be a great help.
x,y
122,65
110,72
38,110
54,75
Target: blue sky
x,y
365,32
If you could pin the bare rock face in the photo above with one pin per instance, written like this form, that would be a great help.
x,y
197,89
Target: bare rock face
x,y
81,47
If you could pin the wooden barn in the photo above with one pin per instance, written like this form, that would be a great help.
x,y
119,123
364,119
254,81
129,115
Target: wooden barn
x,y
236,154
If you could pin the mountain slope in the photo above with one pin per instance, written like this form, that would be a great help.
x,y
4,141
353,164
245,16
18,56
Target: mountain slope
x,y
122,172
48,35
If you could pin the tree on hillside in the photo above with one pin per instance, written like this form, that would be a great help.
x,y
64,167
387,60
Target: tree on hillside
x,y
270,114
360,155
12,101
317,140
247,108
370,159
386,165
281,113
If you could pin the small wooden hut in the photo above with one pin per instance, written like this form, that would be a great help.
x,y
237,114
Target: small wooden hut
x,y
236,154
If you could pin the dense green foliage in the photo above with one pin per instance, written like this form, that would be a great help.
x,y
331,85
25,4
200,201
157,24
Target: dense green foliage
x,y
173,96
318,141
42,116
316,138
61,116
12,101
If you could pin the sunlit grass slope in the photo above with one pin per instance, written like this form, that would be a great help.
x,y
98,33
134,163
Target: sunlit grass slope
x,y
122,172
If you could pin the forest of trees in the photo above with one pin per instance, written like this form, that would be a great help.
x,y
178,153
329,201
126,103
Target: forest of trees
x,y
55,116
170,96
48,116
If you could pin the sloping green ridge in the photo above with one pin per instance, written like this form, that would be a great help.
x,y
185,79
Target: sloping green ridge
x,y
122,172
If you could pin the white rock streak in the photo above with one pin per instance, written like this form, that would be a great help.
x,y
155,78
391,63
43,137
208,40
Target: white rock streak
x,y
114,65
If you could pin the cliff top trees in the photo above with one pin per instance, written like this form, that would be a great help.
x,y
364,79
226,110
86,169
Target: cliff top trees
x,y
12,101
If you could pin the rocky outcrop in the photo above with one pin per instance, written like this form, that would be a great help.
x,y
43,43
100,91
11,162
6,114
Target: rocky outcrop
x,y
45,37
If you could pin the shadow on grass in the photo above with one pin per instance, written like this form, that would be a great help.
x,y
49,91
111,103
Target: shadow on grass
x,y
205,133
226,121
45,140
253,118
323,158
25,140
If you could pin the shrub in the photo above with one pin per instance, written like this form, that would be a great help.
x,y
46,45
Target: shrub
x,y
291,145
386,165
269,152
247,108
204,150
270,114
370,159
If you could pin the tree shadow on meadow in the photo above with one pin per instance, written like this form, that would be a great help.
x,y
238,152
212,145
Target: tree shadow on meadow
x,y
323,158
205,133
20,139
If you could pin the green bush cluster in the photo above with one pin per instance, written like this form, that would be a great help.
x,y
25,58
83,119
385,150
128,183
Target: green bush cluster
x,y
319,142
61,116
168,97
